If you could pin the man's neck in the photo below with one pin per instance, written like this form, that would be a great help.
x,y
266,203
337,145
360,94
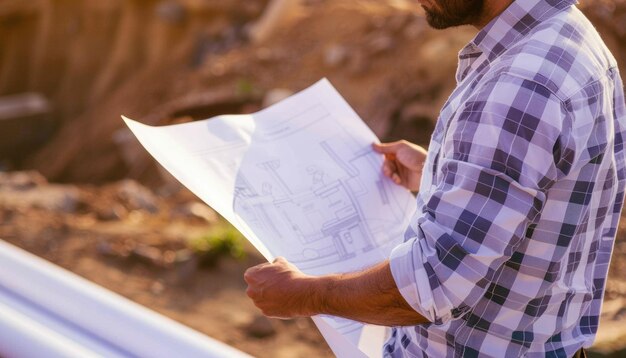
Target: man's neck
x,y
492,8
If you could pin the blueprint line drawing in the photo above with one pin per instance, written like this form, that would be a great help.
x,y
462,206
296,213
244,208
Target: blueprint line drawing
x,y
300,180
324,208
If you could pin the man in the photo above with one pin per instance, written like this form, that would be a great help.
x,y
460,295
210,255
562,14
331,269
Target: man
x,y
518,203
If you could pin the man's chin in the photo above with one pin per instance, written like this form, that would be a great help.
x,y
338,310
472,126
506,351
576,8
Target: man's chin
x,y
439,22
435,21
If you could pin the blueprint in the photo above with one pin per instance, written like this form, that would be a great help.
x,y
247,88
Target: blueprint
x,y
299,180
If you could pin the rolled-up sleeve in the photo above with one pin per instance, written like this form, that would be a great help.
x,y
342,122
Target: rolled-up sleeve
x,y
501,152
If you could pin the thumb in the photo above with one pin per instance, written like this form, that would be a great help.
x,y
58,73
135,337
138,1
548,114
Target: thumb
x,y
279,259
387,148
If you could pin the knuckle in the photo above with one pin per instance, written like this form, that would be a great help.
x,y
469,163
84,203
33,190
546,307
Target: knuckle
x,y
251,292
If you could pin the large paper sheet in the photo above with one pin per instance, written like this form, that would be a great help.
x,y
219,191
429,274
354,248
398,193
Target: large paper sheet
x,y
300,180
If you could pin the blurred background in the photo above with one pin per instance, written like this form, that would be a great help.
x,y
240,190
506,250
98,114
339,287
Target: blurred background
x,y
77,189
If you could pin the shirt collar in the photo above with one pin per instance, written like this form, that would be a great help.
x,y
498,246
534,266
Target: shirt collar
x,y
513,23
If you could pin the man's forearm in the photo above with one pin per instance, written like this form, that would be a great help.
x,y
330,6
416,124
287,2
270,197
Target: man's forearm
x,y
370,296
280,290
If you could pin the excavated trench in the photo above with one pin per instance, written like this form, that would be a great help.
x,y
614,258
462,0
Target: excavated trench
x,y
164,61
73,54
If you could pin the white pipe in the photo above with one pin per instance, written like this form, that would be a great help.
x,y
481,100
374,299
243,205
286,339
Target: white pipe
x,y
89,316
24,337
31,328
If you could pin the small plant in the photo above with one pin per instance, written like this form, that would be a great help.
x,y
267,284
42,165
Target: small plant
x,y
245,88
220,240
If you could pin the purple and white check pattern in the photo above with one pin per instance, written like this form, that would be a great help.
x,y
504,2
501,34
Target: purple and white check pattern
x,y
521,194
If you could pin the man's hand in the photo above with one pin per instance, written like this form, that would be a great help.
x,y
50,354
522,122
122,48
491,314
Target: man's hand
x,y
403,162
280,290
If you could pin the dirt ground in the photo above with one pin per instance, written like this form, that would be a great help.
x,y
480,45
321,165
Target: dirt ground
x,y
137,243
119,221
140,250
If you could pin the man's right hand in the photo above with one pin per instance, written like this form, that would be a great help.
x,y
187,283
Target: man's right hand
x,y
403,162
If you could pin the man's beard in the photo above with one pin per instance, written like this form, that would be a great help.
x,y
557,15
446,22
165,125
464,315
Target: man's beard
x,y
453,13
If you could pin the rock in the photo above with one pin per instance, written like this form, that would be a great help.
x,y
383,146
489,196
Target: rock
x,y
335,55
260,327
185,266
276,95
278,14
377,22
132,153
58,198
137,197
112,249
203,211
157,288
621,314
358,63
397,23
147,254
25,123
379,43
6,216
195,210
171,11
111,212
21,180
182,260
415,28
269,55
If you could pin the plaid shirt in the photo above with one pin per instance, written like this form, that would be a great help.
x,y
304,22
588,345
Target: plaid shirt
x,y
521,194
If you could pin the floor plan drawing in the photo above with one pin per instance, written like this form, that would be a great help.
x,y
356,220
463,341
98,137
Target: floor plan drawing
x,y
321,205
300,180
